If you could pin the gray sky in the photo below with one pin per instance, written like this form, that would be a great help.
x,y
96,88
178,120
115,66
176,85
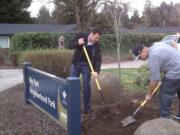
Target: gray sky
x,y
135,4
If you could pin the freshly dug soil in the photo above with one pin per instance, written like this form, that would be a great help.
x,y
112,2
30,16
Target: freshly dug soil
x,y
109,123
16,118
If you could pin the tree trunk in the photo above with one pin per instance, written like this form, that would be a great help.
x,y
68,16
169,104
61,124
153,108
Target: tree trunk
x,y
78,21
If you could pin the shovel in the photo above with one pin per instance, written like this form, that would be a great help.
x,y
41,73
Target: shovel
x,y
131,119
92,70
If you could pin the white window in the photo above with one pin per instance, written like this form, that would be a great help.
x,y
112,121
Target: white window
x,y
4,41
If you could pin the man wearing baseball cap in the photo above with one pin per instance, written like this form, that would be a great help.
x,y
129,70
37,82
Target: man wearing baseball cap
x,y
162,57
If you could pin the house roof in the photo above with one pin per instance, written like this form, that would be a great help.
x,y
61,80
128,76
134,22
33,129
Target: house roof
x,y
10,29
154,30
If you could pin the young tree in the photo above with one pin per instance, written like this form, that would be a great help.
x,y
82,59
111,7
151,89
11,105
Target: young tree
x,y
113,11
14,11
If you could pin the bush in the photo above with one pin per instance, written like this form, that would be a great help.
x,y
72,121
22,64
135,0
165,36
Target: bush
x,y
14,58
4,55
1,59
142,77
28,41
54,61
128,40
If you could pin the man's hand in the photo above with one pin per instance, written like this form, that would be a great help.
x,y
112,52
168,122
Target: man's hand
x,y
81,41
148,97
94,75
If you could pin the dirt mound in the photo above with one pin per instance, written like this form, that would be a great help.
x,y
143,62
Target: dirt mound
x,y
109,122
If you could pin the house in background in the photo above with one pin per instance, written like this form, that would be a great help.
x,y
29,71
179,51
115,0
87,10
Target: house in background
x,y
8,30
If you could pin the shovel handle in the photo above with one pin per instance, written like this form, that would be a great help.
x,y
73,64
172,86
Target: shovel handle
x,y
155,90
87,56
91,67
145,101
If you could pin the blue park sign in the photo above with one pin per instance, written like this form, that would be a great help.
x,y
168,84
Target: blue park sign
x,y
57,97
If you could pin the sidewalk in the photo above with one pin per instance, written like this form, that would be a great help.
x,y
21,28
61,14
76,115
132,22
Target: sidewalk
x,y
10,78
126,64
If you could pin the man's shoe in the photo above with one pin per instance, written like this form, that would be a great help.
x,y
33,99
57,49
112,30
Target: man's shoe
x,y
177,117
167,117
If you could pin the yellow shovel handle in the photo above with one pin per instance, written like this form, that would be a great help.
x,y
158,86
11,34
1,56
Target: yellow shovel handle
x,y
155,90
91,67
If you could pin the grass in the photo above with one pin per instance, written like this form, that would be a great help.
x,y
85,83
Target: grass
x,y
129,77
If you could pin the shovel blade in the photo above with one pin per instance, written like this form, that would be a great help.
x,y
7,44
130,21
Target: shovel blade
x,y
127,121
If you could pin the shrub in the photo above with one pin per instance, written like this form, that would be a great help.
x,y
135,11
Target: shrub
x,y
4,55
14,58
1,59
28,41
54,61
142,77
128,40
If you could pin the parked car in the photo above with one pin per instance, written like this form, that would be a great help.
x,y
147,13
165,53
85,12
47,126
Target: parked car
x,y
175,37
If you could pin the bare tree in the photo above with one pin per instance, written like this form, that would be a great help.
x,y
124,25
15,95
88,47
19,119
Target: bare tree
x,y
164,15
81,10
177,7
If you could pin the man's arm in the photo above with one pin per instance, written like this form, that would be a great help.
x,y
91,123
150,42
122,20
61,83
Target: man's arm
x,y
77,41
152,86
154,64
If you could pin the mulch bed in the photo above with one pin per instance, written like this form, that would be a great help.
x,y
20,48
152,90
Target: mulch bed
x,y
16,118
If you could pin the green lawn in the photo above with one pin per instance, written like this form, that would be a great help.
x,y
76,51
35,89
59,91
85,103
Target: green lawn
x,y
129,77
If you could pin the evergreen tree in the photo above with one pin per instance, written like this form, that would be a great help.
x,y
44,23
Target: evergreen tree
x,y
14,11
147,12
135,19
44,16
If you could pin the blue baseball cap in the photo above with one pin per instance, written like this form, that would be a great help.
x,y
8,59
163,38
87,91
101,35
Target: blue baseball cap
x,y
136,51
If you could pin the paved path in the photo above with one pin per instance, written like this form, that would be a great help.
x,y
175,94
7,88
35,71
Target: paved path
x,y
127,64
10,78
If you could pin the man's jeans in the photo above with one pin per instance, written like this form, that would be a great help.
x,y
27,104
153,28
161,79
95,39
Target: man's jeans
x,y
83,68
169,88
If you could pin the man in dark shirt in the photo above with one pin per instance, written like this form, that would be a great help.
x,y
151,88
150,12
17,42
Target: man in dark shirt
x,y
80,63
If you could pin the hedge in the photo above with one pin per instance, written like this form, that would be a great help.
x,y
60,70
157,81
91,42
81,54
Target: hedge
x,y
25,41
108,41
28,41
